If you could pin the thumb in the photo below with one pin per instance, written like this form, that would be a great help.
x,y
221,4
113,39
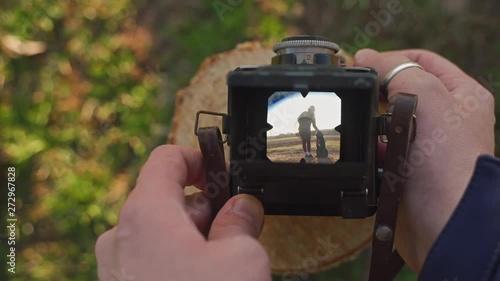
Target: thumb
x,y
241,215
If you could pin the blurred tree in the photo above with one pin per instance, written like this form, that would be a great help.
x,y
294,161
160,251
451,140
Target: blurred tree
x,y
77,120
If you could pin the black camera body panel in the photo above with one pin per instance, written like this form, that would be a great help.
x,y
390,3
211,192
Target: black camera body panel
x,y
347,188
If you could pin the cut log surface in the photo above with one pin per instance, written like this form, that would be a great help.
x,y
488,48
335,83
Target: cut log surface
x,y
295,244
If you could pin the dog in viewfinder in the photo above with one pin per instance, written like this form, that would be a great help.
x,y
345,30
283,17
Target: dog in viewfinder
x,y
321,150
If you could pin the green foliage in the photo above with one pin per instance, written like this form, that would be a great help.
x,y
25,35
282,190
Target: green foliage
x,y
202,35
80,116
77,120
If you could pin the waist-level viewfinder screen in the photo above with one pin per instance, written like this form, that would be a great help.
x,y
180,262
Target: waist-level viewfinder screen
x,y
305,129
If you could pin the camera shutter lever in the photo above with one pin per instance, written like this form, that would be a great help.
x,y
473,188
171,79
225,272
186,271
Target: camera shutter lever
x,y
354,193
252,190
352,199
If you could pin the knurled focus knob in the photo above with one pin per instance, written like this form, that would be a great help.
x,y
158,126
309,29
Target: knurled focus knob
x,y
305,49
304,42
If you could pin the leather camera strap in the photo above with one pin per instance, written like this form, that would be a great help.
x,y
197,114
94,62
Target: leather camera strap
x,y
386,262
217,185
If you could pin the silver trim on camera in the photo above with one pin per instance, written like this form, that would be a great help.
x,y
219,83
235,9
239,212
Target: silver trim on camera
x,y
305,46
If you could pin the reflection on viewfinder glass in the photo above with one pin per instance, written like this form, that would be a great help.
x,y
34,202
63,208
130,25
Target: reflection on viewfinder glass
x,y
304,128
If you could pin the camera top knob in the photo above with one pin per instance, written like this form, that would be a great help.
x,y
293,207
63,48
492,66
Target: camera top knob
x,y
304,48
305,43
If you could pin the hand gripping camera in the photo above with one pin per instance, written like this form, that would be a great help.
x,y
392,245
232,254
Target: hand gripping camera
x,y
266,147
308,98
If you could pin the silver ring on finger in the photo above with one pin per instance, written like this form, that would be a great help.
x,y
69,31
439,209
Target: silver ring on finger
x,y
384,87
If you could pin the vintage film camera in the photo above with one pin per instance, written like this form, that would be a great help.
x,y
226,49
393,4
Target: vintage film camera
x,y
305,67
271,160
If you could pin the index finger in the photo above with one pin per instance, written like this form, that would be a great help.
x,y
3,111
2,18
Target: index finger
x,y
450,74
171,165
158,202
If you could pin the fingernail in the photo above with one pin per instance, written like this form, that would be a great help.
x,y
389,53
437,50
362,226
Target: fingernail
x,y
363,54
249,209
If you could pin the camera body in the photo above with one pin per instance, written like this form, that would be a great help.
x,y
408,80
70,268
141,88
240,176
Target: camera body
x,y
267,153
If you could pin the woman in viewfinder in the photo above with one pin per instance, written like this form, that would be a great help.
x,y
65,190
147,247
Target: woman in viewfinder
x,y
306,119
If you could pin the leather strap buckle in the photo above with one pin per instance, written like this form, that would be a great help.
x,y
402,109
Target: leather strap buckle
x,y
225,122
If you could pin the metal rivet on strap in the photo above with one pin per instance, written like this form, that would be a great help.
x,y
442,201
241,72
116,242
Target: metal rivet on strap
x,y
399,130
383,233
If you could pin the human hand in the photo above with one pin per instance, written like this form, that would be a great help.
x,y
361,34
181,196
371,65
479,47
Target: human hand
x,y
455,118
159,235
